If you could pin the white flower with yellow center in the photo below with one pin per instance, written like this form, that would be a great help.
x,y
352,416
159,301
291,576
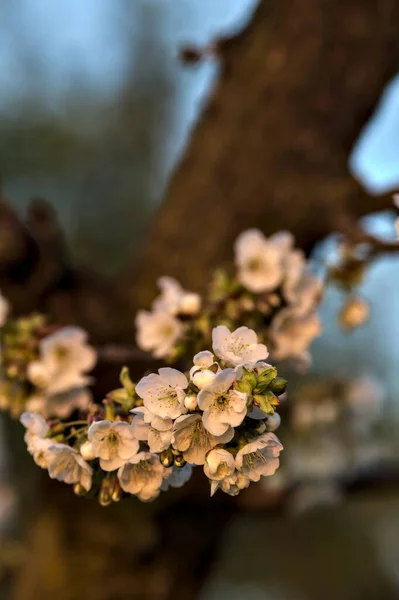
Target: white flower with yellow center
x,y
192,439
201,374
65,358
260,457
142,476
113,442
223,406
238,348
157,332
293,333
163,393
174,300
219,465
66,464
258,261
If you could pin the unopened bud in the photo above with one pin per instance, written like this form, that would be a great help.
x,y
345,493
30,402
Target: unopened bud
x,y
116,491
278,386
167,458
105,497
355,313
273,422
190,402
180,461
190,304
79,490
202,378
86,450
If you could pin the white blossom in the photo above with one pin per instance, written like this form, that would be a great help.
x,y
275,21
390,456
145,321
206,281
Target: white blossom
x,y
4,310
35,437
192,439
260,457
176,477
223,406
163,393
113,442
302,290
201,374
60,405
155,431
142,476
219,464
157,332
293,333
231,485
66,464
258,261
174,299
35,425
65,358
39,449
238,348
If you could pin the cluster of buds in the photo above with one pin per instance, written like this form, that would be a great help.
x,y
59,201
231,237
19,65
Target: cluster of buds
x,y
271,290
147,437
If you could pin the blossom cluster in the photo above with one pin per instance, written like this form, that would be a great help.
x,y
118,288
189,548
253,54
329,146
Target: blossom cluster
x,y
43,369
147,437
272,290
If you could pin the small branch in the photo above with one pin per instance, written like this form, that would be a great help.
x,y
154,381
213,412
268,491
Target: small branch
x,y
118,353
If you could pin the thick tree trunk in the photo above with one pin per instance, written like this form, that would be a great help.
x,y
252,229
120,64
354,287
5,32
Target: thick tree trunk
x,y
272,147
271,151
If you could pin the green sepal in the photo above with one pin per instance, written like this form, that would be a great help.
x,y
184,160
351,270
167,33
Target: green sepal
x,y
278,386
265,378
266,402
126,381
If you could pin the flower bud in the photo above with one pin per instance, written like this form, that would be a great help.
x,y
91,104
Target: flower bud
x,y
278,386
265,377
105,497
355,313
79,490
167,458
86,450
190,402
190,304
116,491
202,378
273,422
180,461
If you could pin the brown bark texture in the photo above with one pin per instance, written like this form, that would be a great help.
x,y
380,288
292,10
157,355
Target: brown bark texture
x,y
271,150
272,147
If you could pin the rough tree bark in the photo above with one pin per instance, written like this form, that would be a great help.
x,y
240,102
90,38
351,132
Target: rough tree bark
x,y
271,151
272,148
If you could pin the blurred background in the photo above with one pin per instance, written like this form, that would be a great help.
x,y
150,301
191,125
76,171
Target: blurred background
x,y
96,110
